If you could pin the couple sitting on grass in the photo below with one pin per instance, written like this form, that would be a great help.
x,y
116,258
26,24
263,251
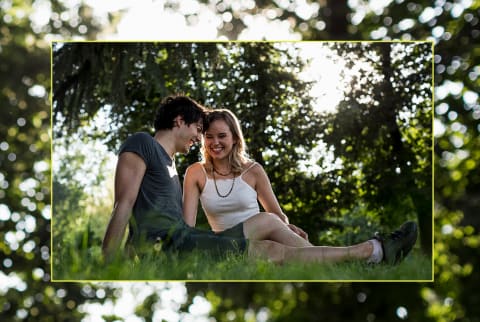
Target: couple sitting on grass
x,y
228,184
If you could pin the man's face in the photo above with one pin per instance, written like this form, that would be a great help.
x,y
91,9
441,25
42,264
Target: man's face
x,y
190,135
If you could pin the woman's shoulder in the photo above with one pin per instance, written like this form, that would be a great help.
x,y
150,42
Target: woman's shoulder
x,y
253,167
195,168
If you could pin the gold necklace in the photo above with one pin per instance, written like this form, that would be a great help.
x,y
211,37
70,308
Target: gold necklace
x,y
216,188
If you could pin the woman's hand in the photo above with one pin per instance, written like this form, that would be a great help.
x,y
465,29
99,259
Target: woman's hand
x,y
299,231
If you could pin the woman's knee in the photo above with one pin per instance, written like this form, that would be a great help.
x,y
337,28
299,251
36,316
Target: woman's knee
x,y
267,249
261,224
265,219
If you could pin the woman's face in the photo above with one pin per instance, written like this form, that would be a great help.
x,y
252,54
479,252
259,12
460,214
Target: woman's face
x,y
219,140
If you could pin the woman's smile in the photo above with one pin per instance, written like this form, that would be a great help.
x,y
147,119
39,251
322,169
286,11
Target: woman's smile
x,y
217,149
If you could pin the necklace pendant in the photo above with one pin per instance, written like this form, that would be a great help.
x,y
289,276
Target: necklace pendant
x,y
216,187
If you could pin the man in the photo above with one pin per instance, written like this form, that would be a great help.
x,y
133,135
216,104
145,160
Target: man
x,y
147,184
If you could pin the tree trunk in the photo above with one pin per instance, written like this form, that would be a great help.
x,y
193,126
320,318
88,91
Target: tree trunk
x,y
421,197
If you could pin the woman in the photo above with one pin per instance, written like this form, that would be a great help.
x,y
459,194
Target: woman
x,y
229,184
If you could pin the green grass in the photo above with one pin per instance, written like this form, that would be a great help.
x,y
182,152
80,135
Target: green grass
x,y
88,265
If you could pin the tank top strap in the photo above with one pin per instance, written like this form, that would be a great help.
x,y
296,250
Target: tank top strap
x,y
204,171
248,169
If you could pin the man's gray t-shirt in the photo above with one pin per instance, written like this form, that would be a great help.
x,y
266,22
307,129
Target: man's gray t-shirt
x,y
159,203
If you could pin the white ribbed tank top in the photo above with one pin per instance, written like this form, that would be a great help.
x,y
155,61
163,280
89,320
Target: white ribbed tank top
x,y
224,213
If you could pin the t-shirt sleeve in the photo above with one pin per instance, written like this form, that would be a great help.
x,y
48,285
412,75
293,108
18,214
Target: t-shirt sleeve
x,y
140,144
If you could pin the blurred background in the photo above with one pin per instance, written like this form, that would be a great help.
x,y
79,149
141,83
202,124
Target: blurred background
x,y
27,29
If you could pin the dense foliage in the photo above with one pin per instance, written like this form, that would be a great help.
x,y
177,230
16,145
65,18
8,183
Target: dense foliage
x,y
25,291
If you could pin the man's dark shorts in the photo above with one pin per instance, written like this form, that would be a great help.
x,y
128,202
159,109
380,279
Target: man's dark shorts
x,y
184,238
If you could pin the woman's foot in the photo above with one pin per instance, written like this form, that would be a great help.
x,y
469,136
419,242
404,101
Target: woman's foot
x,y
398,243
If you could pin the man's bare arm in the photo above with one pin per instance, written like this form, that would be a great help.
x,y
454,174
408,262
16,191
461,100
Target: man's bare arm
x,y
128,177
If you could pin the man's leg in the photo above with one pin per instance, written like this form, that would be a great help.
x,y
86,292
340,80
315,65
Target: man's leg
x,y
266,226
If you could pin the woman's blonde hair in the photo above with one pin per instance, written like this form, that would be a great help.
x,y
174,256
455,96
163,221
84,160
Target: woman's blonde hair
x,y
238,155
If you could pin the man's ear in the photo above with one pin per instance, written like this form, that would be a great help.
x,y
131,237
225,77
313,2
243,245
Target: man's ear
x,y
177,121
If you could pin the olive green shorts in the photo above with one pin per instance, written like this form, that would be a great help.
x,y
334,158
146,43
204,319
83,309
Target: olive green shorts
x,y
187,239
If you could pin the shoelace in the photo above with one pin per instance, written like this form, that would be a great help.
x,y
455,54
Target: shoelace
x,y
396,234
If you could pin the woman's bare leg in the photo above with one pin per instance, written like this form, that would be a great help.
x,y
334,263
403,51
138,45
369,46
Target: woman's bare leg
x,y
279,253
391,249
266,226
328,254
